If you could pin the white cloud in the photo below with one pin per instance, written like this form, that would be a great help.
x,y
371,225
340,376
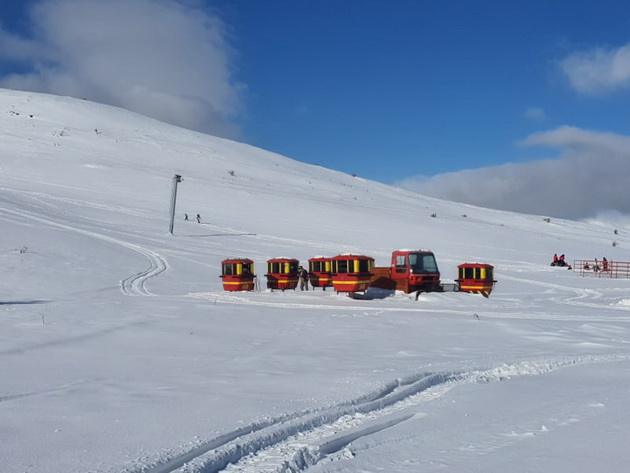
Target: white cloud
x,y
588,178
162,58
598,70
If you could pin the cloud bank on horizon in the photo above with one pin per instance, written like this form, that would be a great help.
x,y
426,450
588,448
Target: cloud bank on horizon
x,y
588,179
161,58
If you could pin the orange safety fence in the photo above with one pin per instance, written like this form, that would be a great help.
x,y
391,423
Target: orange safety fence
x,y
602,269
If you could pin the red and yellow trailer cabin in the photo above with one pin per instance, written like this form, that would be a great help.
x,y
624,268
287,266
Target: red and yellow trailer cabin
x,y
237,274
282,273
476,278
351,273
319,272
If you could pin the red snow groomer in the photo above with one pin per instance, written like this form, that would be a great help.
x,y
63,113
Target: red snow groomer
x,y
237,274
410,271
351,273
282,273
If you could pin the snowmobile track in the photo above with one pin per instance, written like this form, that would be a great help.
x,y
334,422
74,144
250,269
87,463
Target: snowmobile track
x,y
296,441
133,285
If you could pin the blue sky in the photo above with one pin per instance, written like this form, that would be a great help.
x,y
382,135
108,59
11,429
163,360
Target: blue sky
x,y
383,89
442,97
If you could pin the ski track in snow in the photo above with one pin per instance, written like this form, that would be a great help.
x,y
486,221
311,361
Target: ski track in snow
x,y
296,441
580,299
45,197
59,389
333,303
134,285
233,298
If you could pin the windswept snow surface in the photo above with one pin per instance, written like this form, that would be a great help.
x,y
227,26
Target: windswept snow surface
x,y
120,352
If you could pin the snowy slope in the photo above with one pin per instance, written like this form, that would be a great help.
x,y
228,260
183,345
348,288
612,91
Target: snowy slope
x,y
121,352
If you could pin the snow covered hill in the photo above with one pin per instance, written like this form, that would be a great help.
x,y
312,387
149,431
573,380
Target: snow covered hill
x,y
121,352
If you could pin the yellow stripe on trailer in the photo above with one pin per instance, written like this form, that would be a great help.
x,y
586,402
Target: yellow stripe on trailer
x,y
356,281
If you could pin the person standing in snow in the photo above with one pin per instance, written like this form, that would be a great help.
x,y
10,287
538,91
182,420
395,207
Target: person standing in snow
x,y
186,217
198,218
303,278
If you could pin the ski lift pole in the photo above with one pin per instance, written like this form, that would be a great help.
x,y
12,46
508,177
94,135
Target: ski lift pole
x,y
177,178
